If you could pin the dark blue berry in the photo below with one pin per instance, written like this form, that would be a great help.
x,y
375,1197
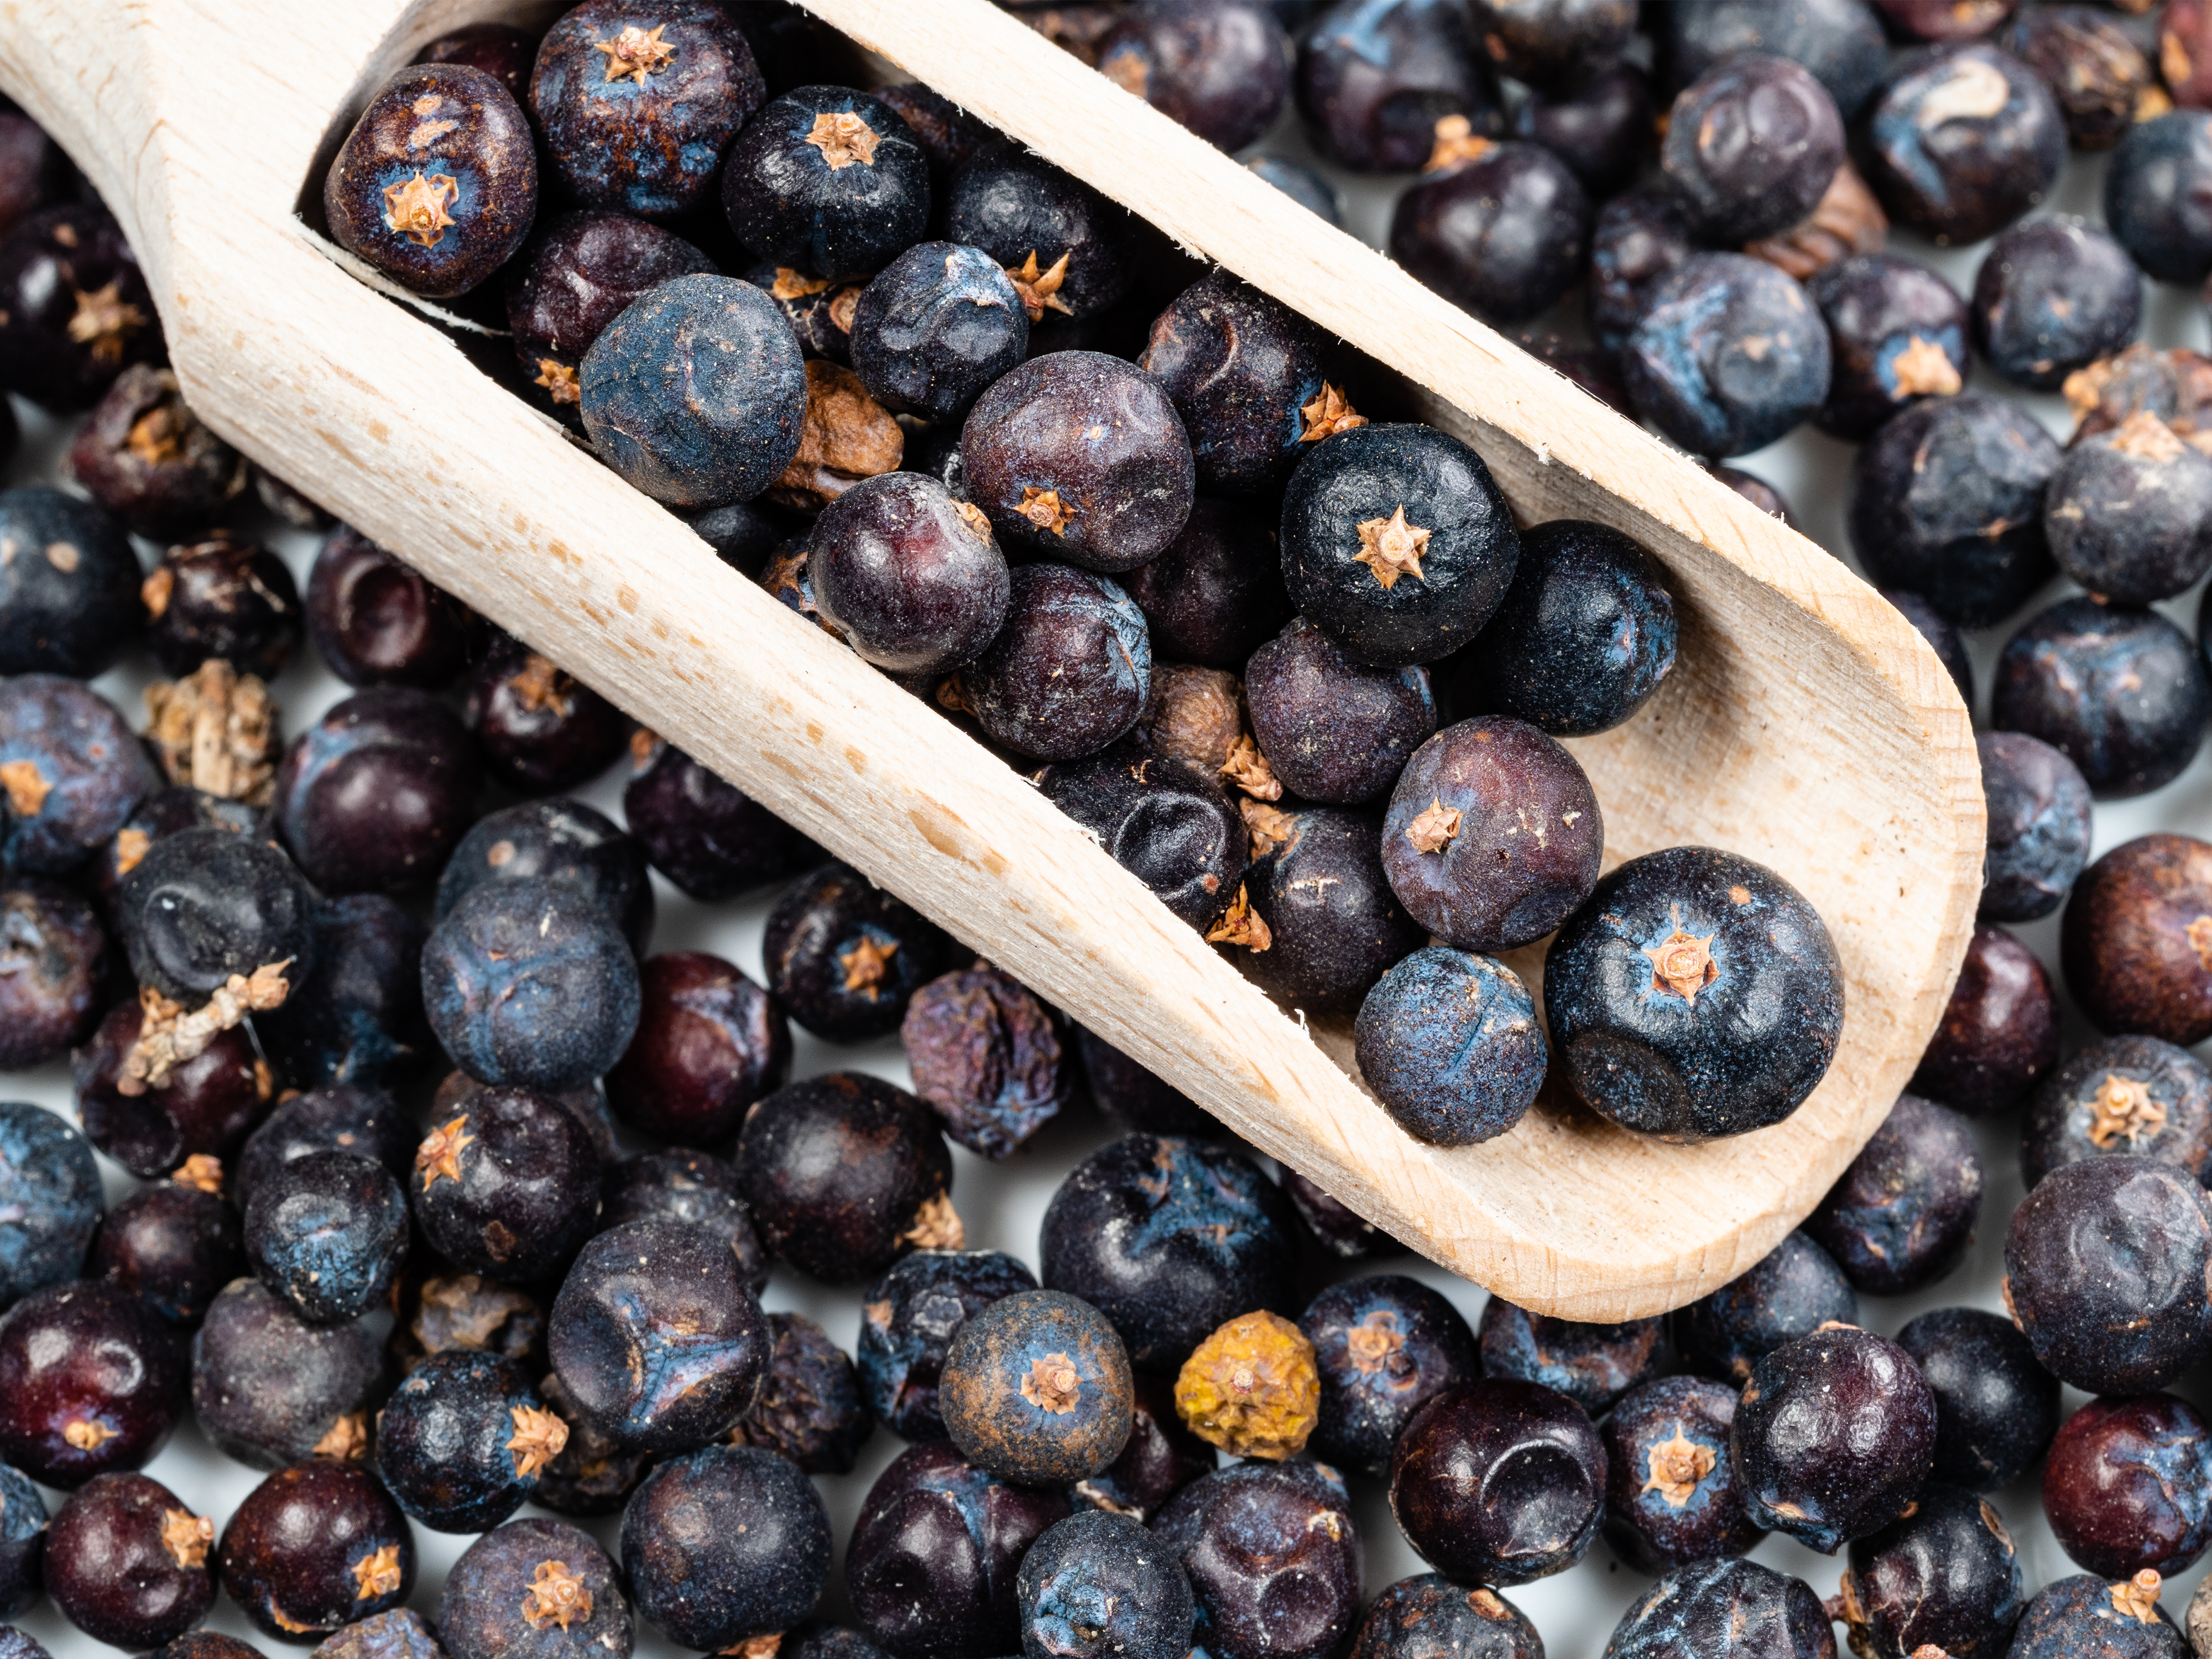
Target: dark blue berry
x,y
1727,355
509,1187
560,841
376,622
2040,828
827,180
538,728
1160,1458
2125,1094
327,1232
357,1016
1304,184
1017,207
172,1245
844,956
461,1441
2080,1616
342,1118
690,1188
1902,1215
2155,195
1639,238
2118,691
909,1320
1241,369
373,797
2128,1485
809,1408
1216,593
1448,1041
1999,1031
74,771
1273,1558
1070,670
1670,1496
582,271
1725,1610
316,1547
1333,730
204,905
1170,823
1376,76
1221,68
128,1563
1384,1346
1601,126
1896,334
989,1056
1592,1365
401,1633
1035,1389
1750,147
77,314
910,575
936,326
1963,139
1502,235
2052,297
1995,1407
2127,511
534,1590
1099,1584
1429,1617
1334,926
270,1389
708,837
50,1188
1498,1481
1792,1291
22,1540
53,958
723,1544
90,1380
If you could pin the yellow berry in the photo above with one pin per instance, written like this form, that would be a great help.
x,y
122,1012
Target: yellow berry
x,y
1251,1387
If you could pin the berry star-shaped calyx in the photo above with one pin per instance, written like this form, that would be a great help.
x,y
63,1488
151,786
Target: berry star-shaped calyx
x,y
1053,1384
1675,1468
540,683
2138,1599
867,964
2124,1106
1269,827
2199,935
845,140
559,381
1375,1341
1456,141
1435,829
1040,289
1392,548
1924,369
1327,415
85,1435
377,1574
636,52
791,284
1044,509
202,1170
937,1226
346,1439
439,1154
556,1596
187,1537
1683,963
157,437
1241,924
27,787
1247,768
539,1435
417,209
105,320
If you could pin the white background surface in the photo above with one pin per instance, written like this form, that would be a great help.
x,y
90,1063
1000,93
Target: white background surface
x,y
1002,1205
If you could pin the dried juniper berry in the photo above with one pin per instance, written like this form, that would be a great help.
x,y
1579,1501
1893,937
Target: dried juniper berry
x,y
2129,1485
988,1055
2128,941
725,1545
1333,730
1384,1346
509,1187
1637,238
171,1245
2099,76
1999,1032
203,1106
1583,638
1791,1291
708,837
205,905
327,1232
538,728
145,456
829,180
53,960
341,1117
465,1313
270,1389
534,1590
1671,1497
399,1634
1169,1239
1273,1558
1944,1574
1449,1043
2104,1265
692,1189
1078,456
936,326
1727,356
1429,1617
77,309
934,1552
1962,141
1070,672
1996,1406
72,609
2155,195
2118,691
1833,1437
1902,1215
1245,373
1160,1458
1251,1387
636,111
582,271
2087,1615
2040,828
375,622
74,775
909,1320
948,135
528,986
316,1547
436,186
1501,233
810,1408
2125,1094
1548,41
709,1043
1035,1389
1376,76
223,597
1221,68
910,575
2052,297
461,1443
1592,1365
1066,248
739,422
1724,1609
128,1562
1133,1099
2127,513
50,1186
1216,593
1099,1583
374,796
90,1380
1750,147
1498,1481
34,169
559,841
1324,925
1600,125
1897,335
845,1174
1167,821
843,955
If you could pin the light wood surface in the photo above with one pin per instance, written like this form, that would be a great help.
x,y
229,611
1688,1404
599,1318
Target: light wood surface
x,y
1807,727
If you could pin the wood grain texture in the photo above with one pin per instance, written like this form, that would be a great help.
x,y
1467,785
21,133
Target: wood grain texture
x,y
1808,727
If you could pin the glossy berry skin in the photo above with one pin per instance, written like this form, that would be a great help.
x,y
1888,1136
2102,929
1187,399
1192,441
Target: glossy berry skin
x,y
1791,1291
1384,1346
2093,68
1078,456
1664,1056
1833,1437
2155,195
339,1118
74,610
375,622
1999,1032
1098,1585
1220,68
708,1043
128,1564
909,575
1996,1406
1011,205
268,1388
223,597
316,1547
2129,959
1501,235
78,309
843,955
657,1336
53,958
461,1441
1273,1558
205,905
936,326
374,796
708,837
2125,1095
1726,1609
2103,1271
563,842
1750,147
22,1541
1583,638
989,1056
70,752
934,1552
1429,1617
1396,542
1169,1239
908,1321
1902,1215
537,727
1896,334
1963,140
528,986
437,184
145,456
509,1187
1216,593
2053,296
1498,1481
1374,76
86,1363
50,1182
2040,828
1592,1365
737,427
1944,1573
2077,1615
724,1544
172,1245
2126,1485
1036,1389
829,180
648,139
1242,369
1333,730
1545,43
1671,1496
500,1602
1334,926
810,1408
690,1188
2125,513
1727,355
1601,125
1167,822
1449,1043
1070,672
2119,692
580,273
327,1232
